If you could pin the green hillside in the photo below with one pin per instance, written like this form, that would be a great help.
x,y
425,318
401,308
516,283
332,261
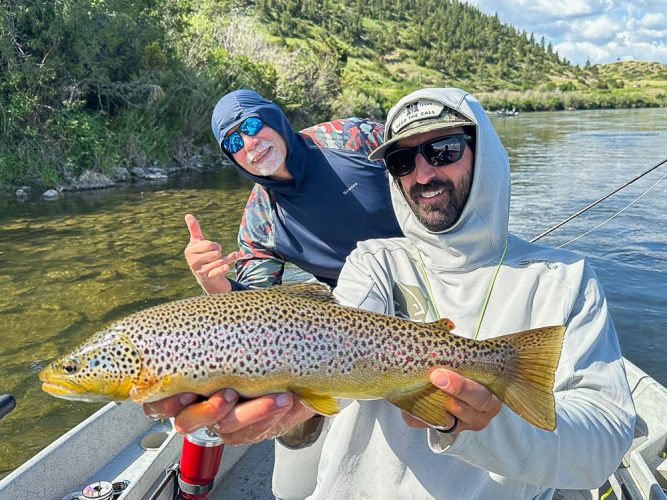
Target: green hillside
x,y
94,85
389,48
413,42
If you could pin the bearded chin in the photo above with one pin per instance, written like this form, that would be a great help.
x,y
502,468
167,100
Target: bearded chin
x,y
267,169
437,218
271,162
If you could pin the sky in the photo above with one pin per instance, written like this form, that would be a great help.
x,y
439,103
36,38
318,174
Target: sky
x,y
601,31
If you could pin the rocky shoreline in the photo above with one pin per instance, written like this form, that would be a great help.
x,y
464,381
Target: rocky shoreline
x,y
91,180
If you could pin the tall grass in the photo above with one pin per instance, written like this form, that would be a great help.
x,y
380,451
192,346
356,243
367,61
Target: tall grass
x,y
534,100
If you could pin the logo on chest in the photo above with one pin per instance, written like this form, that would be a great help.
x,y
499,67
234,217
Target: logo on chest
x,y
410,302
528,262
351,188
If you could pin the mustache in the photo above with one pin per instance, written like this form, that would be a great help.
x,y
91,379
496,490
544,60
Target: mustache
x,y
260,148
432,185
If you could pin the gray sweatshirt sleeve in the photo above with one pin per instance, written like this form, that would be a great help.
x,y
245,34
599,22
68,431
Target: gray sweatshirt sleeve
x,y
594,409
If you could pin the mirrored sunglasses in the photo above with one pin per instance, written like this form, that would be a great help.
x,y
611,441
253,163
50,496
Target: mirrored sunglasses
x,y
437,152
233,143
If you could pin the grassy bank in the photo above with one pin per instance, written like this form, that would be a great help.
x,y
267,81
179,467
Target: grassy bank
x,y
90,141
534,100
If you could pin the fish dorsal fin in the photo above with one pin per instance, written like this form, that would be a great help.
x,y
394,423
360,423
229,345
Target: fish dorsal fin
x,y
314,291
319,403
426,402
445,324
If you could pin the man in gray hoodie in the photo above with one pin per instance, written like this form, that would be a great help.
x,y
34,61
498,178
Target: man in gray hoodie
x,y
450,187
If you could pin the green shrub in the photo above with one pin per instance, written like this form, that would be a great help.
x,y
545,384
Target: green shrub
x,y
351,102
81,140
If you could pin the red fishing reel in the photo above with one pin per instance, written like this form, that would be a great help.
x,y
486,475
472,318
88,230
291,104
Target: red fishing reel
x,y
200,461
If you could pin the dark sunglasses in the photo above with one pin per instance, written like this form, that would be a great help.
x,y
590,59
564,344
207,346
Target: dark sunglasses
x,y
437,152
233,143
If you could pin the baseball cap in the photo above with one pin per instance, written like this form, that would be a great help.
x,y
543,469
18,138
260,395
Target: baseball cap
x,y
421,111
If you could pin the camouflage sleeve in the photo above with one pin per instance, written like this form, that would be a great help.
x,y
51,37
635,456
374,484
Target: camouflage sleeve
x,y
257,265
352,134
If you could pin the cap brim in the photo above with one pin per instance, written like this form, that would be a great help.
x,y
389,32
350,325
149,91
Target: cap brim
x,y
378,153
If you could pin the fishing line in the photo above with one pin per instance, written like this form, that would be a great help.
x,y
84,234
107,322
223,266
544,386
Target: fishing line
x,y
613,216
600,200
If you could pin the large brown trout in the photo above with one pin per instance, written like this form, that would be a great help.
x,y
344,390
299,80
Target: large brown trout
x,y
297,338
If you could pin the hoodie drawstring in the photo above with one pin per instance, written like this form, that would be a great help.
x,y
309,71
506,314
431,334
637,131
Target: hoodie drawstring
x,y
422,269
488,293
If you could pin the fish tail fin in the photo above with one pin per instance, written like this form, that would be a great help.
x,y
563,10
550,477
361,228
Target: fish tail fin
x,y
526,383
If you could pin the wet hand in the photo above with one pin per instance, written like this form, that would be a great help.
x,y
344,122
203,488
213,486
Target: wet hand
x,y
246,422
473,404
173,405
265,417
206,261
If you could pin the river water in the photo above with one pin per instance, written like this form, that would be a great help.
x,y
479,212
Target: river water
x,y
70,266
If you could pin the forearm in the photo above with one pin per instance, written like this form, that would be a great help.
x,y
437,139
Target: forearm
x,y
310,431
259,272
257,264
211,288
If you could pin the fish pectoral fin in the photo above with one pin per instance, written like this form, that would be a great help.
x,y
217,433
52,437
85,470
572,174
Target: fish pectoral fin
x,y
323,404
426,402
146,385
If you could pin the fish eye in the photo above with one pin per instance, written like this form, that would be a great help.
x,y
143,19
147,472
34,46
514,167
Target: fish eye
x,y
71,365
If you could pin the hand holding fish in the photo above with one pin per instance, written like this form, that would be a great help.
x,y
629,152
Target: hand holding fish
x,y
473,405
206,261
265,417
247,422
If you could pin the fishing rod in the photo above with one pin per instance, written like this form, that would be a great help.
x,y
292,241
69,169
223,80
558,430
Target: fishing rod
x,y
600,200
7,404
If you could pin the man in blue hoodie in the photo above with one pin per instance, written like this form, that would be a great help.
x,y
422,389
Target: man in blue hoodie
x,y
316,195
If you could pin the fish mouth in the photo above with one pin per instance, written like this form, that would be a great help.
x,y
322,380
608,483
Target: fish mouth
x,y
73,392
63,388
53,384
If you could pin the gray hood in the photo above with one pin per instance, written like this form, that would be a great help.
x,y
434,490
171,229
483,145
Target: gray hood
x,y
478,237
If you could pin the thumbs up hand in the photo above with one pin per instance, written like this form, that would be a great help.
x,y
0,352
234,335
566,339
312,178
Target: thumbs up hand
x,y
206,261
